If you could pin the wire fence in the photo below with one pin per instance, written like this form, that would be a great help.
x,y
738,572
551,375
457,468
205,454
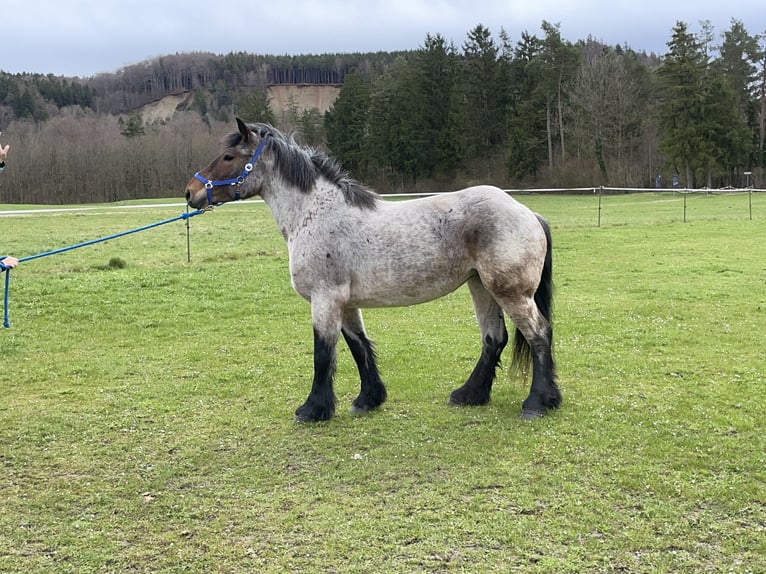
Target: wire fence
x,y
728,198
626,206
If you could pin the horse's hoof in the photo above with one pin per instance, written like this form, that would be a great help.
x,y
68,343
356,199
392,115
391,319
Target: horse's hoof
x,y
358,411
529,414
467,400
312,413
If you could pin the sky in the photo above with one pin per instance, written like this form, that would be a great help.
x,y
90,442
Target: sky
x,y
86,37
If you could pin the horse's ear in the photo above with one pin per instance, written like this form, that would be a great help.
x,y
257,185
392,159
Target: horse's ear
x,y
244,130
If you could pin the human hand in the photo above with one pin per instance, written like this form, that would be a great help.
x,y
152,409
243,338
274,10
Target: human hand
x,y
8,263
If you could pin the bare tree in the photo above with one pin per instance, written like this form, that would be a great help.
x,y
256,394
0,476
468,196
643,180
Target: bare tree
x,y
608,106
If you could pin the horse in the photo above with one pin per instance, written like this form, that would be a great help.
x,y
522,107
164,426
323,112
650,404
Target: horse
x,y
350,249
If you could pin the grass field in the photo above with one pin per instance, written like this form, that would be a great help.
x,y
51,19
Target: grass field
x,y
145,420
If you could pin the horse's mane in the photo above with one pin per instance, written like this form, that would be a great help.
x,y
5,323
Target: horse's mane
x,y
302,167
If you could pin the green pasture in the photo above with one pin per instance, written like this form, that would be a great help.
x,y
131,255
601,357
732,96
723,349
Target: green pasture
x,y
146,406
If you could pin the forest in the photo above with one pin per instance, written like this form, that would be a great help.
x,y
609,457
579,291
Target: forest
x,y
535,112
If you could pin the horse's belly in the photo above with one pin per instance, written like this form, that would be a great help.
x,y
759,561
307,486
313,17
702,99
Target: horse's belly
x,y
384,293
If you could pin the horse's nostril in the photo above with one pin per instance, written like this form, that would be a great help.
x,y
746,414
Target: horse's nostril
x,y
188,195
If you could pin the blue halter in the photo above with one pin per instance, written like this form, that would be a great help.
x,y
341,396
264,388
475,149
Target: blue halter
x,y
210,184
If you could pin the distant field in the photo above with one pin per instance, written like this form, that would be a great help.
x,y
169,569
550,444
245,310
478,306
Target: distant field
x,y
145,421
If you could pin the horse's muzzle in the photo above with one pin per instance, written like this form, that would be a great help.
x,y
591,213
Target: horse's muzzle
x,y
190,199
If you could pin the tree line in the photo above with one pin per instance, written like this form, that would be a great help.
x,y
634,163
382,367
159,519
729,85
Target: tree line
x,y
536,112
544,111
38,96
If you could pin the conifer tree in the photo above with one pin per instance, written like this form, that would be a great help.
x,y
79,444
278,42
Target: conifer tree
x,y
346,124
527,138
682,111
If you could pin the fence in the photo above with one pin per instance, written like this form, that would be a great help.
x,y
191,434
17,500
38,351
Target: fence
x,y
621,206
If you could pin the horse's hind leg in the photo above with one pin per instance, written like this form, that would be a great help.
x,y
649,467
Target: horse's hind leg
x,y
537,335
494,337
373,392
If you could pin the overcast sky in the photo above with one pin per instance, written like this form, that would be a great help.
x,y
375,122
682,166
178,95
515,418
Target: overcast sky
x,y
87,37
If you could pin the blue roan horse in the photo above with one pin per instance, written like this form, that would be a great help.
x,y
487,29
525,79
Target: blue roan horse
x,y
349,249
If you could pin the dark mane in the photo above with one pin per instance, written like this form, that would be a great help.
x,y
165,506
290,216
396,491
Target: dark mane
x,y
302,167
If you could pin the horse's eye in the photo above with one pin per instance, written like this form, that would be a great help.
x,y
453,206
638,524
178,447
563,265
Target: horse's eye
x,y
228,157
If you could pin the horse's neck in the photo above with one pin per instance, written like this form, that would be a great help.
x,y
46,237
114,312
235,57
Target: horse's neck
x,y
291,207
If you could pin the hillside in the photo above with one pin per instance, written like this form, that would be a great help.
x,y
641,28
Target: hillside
x,y
312,81
164,109
281,99
304,97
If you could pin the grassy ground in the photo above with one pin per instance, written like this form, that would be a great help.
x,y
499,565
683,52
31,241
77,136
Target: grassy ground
x,y
145,424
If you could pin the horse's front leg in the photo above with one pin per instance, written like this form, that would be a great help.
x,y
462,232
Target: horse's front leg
x,y
373,391
326,318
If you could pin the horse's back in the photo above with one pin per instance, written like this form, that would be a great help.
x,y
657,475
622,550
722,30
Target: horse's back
x,y
485,202
477,222
484,198
480,228
494,219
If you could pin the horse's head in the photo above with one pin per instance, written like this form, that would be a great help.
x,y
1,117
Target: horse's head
x,y
226,178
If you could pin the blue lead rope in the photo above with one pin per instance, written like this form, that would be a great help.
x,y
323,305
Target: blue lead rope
x,y
7,270
6,321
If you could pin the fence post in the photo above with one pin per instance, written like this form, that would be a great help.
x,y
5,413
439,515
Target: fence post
x,y
599,204
188,239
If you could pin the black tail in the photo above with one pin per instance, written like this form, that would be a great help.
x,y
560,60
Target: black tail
x,y
522,352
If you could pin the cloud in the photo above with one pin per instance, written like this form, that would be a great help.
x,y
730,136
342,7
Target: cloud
x,y
85,37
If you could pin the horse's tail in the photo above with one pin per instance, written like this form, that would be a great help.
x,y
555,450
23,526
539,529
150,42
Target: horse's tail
x,y
522,351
